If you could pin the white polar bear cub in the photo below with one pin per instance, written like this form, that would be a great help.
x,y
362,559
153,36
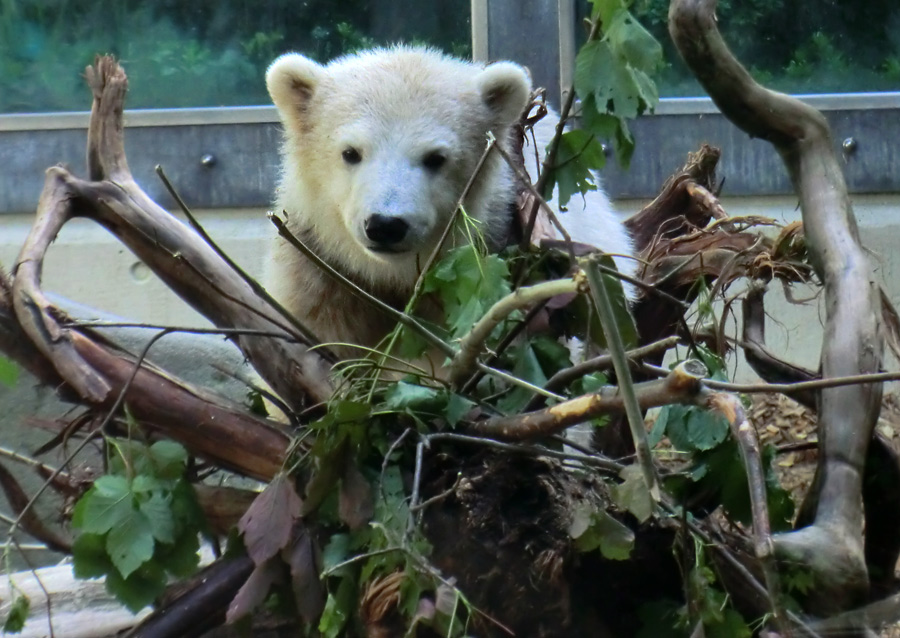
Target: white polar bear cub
x,y
378,149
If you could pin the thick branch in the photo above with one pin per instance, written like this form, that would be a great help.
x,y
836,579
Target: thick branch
x,y
852,341
184,262
681,386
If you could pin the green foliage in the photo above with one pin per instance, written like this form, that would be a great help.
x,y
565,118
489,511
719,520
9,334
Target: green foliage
x,y
138,523
613,78
593,528
9,372
189,54
17,615
803,46
468,283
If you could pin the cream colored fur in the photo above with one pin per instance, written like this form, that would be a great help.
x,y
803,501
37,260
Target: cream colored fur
x,y
394,107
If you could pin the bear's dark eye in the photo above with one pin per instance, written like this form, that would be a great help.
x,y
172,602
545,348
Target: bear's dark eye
x,y
351,155
434,160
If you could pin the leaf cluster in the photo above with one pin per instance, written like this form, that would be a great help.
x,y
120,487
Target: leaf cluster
x,y
614,81
138,524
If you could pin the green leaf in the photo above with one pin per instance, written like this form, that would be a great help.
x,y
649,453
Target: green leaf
x,y
527,367
403,395
181,557
467,283
338,609
606,10
732,625
143,484
140,588
659,426
597,121
9,372
18,614
592,528
633,494
158,511
457,408
130,543
105,506
336,551
349,411
629,38
580,152
89,557
697,429
170,459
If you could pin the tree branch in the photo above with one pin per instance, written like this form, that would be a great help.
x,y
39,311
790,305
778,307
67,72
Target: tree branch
x,y
852,342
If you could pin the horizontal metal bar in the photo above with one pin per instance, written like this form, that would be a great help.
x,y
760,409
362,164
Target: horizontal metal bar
x,y
140,118
821,101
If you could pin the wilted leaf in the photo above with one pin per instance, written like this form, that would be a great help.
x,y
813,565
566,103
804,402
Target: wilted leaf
x,y
268,522
632,494
356,504
308,591
253,592
592,528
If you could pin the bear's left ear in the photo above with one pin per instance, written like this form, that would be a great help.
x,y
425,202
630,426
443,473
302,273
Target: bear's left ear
x,y
292,81
505,88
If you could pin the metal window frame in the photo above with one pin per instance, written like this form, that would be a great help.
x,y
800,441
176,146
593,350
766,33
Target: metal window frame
x,y
228,157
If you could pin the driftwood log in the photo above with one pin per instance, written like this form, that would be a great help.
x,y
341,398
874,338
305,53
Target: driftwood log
x,y
852,344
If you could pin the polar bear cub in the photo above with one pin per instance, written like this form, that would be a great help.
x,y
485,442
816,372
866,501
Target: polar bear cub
x,y
378,148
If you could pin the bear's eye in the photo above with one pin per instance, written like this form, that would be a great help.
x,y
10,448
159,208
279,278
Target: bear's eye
x,y
351,155
434,160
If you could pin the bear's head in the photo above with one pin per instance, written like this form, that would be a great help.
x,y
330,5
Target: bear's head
x,y
379,147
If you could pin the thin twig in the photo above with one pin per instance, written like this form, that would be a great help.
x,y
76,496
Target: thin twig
x,y
307,334
594,459
729,406
417,289
788,388
566,376
616,347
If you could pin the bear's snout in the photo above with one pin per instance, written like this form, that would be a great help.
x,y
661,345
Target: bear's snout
x,y
385,231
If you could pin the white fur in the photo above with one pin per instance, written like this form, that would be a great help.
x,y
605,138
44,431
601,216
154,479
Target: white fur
x,y
395,106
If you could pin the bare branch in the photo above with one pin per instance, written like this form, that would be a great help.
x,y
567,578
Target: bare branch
x,y
852,342
681,386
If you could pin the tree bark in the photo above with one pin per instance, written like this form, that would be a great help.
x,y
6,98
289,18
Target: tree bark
x,y
833,545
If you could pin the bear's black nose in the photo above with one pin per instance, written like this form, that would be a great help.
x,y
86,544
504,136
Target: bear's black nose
x,y
385,230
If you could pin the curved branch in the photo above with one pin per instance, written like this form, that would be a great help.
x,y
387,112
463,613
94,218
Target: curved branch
x,y
852,343
178,256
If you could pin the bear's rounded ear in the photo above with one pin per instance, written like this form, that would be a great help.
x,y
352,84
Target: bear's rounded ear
x,y
292,80
505,88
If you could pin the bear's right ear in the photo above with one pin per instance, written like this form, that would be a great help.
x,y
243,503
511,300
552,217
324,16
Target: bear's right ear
x,y
292,80
505,88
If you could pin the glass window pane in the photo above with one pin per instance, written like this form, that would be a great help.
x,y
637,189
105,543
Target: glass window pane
x,y
198,53
795,46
